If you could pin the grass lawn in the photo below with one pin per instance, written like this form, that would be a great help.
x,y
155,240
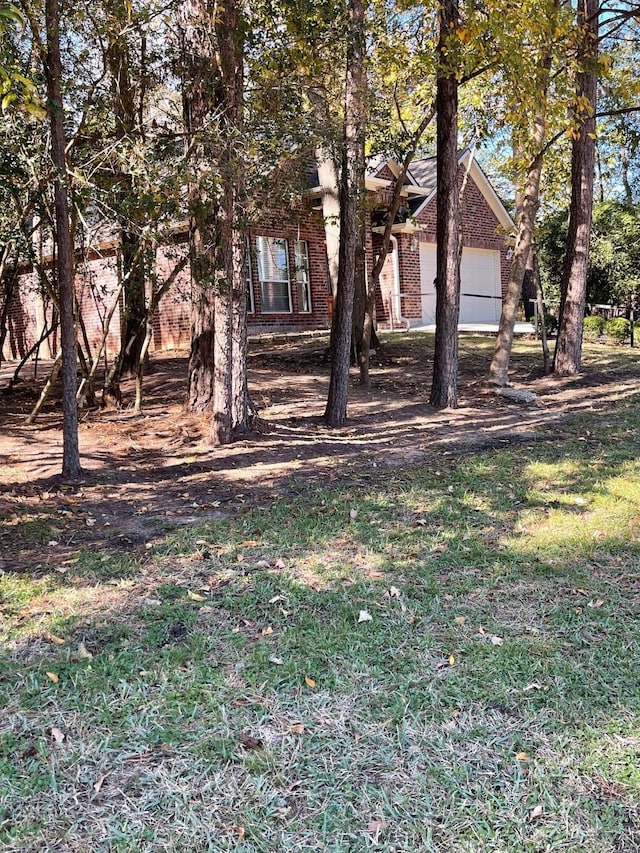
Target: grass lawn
x,y
437,658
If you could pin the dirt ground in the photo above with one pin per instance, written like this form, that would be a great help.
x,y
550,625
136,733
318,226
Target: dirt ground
x,y
146,473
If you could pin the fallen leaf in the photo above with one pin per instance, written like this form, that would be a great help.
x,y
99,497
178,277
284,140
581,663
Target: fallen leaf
x,y
240,832
249,741
533,686
57,734
279,564
53,676
275,660
353,514
277,598
266,631
480,629
421,522
83,652
309,681
195,596
296,728
365,616
496,641
58,641
97,785
522,756
460,620
452,660
264,564
597,603
535,813
394,592
375,827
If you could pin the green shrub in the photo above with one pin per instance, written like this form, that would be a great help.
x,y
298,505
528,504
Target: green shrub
x,y
551,323
617,329
593,327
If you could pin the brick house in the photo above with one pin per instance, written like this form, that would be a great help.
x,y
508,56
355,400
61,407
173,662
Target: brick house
x,y
291,261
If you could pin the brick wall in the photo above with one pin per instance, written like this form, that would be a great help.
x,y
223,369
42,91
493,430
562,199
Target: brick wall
x,y
97,281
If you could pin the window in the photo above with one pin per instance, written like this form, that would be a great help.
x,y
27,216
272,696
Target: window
x,y
303,279
249,279
273,272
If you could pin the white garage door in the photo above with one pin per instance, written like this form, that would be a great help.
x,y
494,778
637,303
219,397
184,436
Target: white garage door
x,y
480,291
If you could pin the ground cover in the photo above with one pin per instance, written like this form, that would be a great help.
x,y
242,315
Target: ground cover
x,y
418,634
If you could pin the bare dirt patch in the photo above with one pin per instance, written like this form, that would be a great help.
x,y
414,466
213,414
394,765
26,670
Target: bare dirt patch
x,y
150,472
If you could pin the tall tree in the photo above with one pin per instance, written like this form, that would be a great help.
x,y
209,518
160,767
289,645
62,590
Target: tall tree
x,y
350,187
71,468
444,388
568,353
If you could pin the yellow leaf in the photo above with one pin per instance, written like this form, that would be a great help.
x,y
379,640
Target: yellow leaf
x,y
53,676
460,620
452,660
309,681
296,728
522,756
53,639
195,596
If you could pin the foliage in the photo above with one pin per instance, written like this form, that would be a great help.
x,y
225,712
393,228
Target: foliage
x,y
593,327
550,322
614,271
617,329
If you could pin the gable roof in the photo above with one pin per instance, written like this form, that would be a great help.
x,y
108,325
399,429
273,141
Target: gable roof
x,y
422,176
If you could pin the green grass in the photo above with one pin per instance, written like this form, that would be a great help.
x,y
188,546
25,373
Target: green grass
x,y
491,702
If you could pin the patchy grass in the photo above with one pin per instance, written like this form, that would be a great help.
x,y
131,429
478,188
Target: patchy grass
x,y
436,659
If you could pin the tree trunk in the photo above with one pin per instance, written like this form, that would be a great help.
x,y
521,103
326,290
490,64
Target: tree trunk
x,y
197,71
568,353
499,369
71,468
546,359
444,388
352,168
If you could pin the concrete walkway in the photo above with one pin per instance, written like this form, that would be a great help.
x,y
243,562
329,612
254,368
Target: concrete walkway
x,y
478,328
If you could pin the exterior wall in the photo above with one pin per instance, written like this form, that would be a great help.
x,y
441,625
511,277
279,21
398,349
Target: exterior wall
x,y
311,230
480,230
97,282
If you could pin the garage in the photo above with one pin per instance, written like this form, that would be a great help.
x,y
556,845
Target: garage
x,y
480,288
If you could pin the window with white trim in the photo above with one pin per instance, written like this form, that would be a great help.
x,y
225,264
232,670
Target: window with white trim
x,y
251,308
273,271
303,277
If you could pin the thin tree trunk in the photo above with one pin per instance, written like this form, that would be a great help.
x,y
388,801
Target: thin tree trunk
x,y
546,357
444,388
352,167
71,468
44,394
499,369
568,353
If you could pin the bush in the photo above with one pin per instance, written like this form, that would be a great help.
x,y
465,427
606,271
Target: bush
x,y
593,328
550,323
617,329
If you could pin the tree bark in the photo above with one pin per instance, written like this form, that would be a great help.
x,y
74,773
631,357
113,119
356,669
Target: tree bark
x,y
568,352
71,468
499,369
197,70
352,168
444,388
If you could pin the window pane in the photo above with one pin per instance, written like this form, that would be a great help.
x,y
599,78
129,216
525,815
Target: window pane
x,y
303,279
275,297
249,278
272,259
273,271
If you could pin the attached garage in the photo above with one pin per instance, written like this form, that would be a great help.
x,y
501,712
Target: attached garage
x,y
480,286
